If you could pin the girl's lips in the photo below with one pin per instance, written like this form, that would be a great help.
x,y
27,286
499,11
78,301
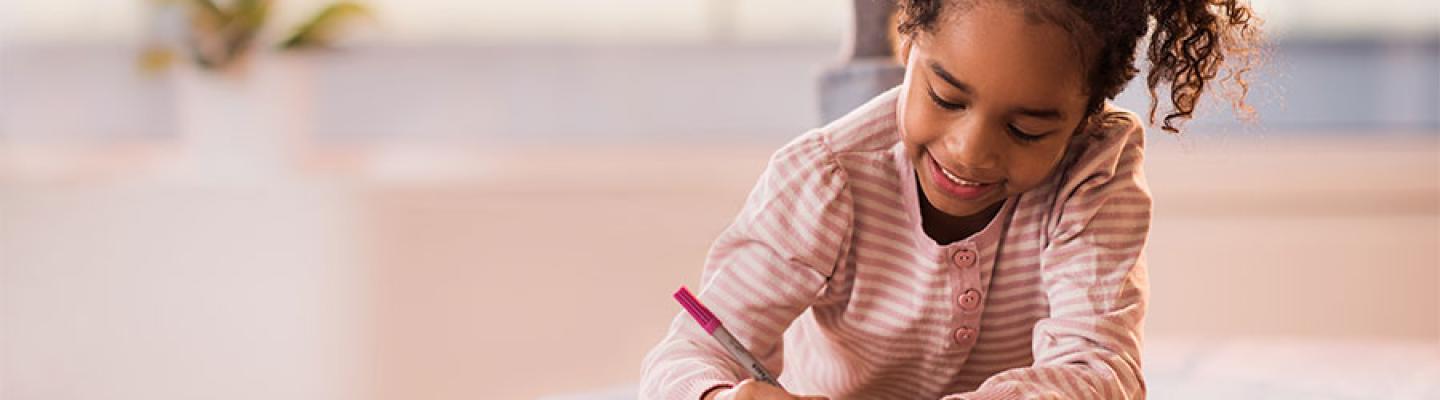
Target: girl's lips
x,y
962,191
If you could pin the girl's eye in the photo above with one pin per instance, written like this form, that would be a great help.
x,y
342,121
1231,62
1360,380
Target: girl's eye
x,y
948,105
1022,135
942,103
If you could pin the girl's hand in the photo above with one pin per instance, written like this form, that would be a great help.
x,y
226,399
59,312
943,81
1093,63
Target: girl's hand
x,y
750,389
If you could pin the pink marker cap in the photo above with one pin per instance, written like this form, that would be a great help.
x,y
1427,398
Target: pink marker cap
x,y
698,311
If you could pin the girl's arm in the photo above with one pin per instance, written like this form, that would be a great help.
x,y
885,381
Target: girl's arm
x,y
765,269
1094,276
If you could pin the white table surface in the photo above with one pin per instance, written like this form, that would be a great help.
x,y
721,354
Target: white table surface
x,y
1259,369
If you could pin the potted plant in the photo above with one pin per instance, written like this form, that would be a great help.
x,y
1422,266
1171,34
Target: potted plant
x,y
241,114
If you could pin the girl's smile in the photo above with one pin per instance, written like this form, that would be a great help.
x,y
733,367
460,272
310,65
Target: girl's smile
x,y
960,186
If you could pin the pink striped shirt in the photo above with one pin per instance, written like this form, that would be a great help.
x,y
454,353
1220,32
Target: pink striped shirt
x,y
828,278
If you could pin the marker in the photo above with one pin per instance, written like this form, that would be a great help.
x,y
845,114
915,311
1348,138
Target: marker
x,y
712,326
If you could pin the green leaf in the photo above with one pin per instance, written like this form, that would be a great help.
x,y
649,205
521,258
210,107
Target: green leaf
x,y
320,29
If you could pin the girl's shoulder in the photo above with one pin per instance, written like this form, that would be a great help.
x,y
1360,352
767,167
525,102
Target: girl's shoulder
x,y
1101,177
869,127
1114,143
864,139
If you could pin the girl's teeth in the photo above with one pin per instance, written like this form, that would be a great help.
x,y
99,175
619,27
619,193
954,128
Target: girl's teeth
x,y
957,180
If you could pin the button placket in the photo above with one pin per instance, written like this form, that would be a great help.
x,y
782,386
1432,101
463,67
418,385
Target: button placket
x,y
968,302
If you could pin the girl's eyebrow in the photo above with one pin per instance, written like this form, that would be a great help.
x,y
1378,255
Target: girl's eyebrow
x,y
1041,113
945,75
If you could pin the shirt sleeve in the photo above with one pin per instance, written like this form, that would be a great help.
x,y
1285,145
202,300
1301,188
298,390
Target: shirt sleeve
x,y
763,271
1093,272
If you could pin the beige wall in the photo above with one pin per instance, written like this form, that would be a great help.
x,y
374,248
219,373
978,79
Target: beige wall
x,y
141,290
549,270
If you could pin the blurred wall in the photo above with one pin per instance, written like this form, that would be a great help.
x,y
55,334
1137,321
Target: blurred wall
x,y
133,290
497,211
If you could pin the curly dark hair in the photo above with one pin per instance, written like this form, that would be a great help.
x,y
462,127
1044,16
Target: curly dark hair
x,y
1188,47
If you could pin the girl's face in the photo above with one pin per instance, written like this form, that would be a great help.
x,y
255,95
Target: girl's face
x,y
991,97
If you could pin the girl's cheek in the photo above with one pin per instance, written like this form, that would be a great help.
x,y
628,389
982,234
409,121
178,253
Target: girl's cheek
x,y
918,127
912,127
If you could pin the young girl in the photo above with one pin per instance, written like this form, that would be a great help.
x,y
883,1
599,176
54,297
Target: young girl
x,y
975,233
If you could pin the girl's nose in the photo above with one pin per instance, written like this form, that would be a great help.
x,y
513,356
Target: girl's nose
x,y
976,145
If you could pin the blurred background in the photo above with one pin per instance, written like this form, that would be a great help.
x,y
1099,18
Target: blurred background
x,y
430,199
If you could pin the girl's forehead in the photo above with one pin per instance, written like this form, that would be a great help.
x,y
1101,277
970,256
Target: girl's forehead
x,y
999,49
1057,14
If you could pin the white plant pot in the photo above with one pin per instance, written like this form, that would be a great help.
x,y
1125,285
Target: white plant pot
x,y
244,124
